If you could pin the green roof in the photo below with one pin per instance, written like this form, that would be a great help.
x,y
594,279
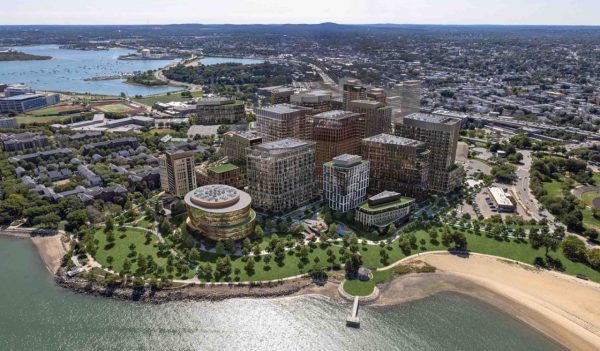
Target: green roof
x,y
401,201
224,168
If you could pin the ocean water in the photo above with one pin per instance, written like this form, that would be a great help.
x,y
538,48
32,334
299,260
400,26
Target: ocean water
x,y
38,315
68,69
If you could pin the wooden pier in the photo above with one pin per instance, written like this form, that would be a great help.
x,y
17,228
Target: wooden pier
x,y
353,320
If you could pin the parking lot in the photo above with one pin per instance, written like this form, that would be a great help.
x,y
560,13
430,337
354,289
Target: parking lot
x,y
483,205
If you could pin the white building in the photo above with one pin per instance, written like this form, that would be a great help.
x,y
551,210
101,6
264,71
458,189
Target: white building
x,y
501,199
345,182
384,209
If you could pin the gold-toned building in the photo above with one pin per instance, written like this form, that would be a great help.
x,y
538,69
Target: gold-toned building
x,y
220,212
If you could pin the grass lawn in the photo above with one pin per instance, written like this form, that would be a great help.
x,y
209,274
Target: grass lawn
x,y
589,196
360,288
120,250
554,188
150,100
589,221
114,108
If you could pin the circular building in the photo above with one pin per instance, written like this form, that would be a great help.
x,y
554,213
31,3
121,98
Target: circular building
x,y
220,212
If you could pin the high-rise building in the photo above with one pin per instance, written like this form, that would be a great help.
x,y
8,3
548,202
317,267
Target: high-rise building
x,y
440,133
408,98
281,95
378,117
235,145
219,109
345,182
397,164
377,94
318,100
352,90
335,133
177,175
281,174
281,121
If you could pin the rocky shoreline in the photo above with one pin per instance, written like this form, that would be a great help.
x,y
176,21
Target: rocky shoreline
x,y
191,292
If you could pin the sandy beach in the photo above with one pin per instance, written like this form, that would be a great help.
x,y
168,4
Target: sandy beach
x,y
564,308
51,250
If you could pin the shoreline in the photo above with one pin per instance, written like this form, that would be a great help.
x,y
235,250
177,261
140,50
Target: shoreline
x,y
572,321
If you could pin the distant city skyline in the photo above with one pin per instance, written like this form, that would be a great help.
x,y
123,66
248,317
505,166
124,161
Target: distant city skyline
x,y
506,12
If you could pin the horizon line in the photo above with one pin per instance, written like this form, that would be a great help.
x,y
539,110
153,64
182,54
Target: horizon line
x,y
312,24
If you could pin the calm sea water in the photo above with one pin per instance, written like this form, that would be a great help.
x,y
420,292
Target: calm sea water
x,y
68,69
38,315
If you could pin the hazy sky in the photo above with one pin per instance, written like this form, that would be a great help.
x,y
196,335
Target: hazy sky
x,y
573,12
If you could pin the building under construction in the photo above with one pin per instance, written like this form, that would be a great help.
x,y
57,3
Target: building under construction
x,y
397,164
282,121
335,133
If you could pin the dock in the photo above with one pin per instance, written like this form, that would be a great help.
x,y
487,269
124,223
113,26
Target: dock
x,y
353,320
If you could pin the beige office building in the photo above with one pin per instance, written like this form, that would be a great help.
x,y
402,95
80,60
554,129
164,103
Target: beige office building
x,y
281,121
440,133
177,175
378,116
281,175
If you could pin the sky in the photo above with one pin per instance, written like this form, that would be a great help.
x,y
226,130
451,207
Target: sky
x,y
532,12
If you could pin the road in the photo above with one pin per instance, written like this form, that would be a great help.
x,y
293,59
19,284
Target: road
x,y
158,74
528,200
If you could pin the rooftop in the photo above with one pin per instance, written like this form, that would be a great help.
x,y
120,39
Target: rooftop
x,y
223,168
392,139
288,143
218,198
282,108
431,118
21,97
334,114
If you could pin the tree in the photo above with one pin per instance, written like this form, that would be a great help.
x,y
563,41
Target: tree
x,y
205,271
109,225
219,248
230,245
549,241
593,257
392,229
352,264
164,227
249,268
126,265
258,231
223,267
194,255
574,249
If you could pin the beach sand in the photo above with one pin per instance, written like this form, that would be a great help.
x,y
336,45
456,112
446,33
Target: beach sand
x,y
562,307
51,250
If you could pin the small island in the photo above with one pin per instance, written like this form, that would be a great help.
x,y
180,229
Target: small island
x,y
21,56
